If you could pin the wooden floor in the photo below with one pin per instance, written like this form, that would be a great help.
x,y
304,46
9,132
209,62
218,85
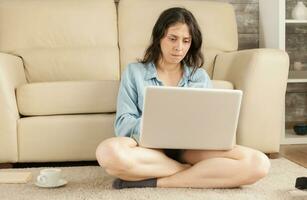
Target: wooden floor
x,y
295,152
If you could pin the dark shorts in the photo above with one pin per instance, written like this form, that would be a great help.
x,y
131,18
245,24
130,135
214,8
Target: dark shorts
x,y
175,154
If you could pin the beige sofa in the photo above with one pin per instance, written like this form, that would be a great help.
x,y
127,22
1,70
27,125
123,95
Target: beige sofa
x,y
60,66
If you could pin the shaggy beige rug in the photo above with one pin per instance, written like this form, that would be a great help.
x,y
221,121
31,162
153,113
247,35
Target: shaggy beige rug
x,y
91,182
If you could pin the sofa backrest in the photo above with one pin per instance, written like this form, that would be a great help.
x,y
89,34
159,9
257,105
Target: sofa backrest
x,y
136,19
62,40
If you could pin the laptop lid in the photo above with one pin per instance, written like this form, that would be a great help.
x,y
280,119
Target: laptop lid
x,y
189,118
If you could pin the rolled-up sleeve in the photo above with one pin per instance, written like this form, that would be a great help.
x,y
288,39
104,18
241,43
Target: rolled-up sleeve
x,y
128,117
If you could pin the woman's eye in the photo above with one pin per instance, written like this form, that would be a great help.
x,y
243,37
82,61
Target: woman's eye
x,y
187,41
172,39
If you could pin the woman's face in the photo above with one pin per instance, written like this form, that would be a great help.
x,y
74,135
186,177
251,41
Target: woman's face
x,y
175,44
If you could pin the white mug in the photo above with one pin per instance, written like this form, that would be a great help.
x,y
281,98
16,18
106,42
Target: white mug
x,y
49,176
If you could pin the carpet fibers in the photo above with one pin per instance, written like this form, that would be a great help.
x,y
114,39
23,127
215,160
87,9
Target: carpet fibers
x,y
91,182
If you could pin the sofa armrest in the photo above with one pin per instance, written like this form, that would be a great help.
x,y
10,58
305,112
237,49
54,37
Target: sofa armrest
x,y
262,76
11,76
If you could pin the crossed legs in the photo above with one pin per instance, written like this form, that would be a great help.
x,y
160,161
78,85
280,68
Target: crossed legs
x,y
121,157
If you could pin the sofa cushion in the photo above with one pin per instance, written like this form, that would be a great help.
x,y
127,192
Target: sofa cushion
x,y
219,84
62,138
66,40
67,97
219,34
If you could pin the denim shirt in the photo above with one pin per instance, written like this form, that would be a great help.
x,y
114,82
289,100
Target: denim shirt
x,y
135,78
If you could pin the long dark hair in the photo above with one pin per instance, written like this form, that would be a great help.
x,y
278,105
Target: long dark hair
x,y
194,57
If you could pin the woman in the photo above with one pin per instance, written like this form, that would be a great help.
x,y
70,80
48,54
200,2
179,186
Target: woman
x,y
173,58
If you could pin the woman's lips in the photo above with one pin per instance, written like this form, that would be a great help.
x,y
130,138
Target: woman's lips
x,y
176,55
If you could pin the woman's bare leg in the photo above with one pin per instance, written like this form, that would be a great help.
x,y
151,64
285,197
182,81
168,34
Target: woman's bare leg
x,y
219,169
121,157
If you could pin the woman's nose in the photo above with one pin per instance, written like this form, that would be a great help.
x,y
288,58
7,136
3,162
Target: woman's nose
x,y
179,46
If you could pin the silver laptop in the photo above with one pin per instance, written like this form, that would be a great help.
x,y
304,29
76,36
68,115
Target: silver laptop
x,y
189,118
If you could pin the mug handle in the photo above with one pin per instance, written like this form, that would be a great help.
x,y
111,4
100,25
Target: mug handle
x,y
41,179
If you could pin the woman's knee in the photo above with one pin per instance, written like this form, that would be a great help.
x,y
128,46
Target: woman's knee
x,y
112,154
258,166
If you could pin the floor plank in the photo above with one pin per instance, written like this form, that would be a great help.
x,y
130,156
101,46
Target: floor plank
x,y
296,153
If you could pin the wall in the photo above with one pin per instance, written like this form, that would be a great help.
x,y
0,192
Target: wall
x,y
247,13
